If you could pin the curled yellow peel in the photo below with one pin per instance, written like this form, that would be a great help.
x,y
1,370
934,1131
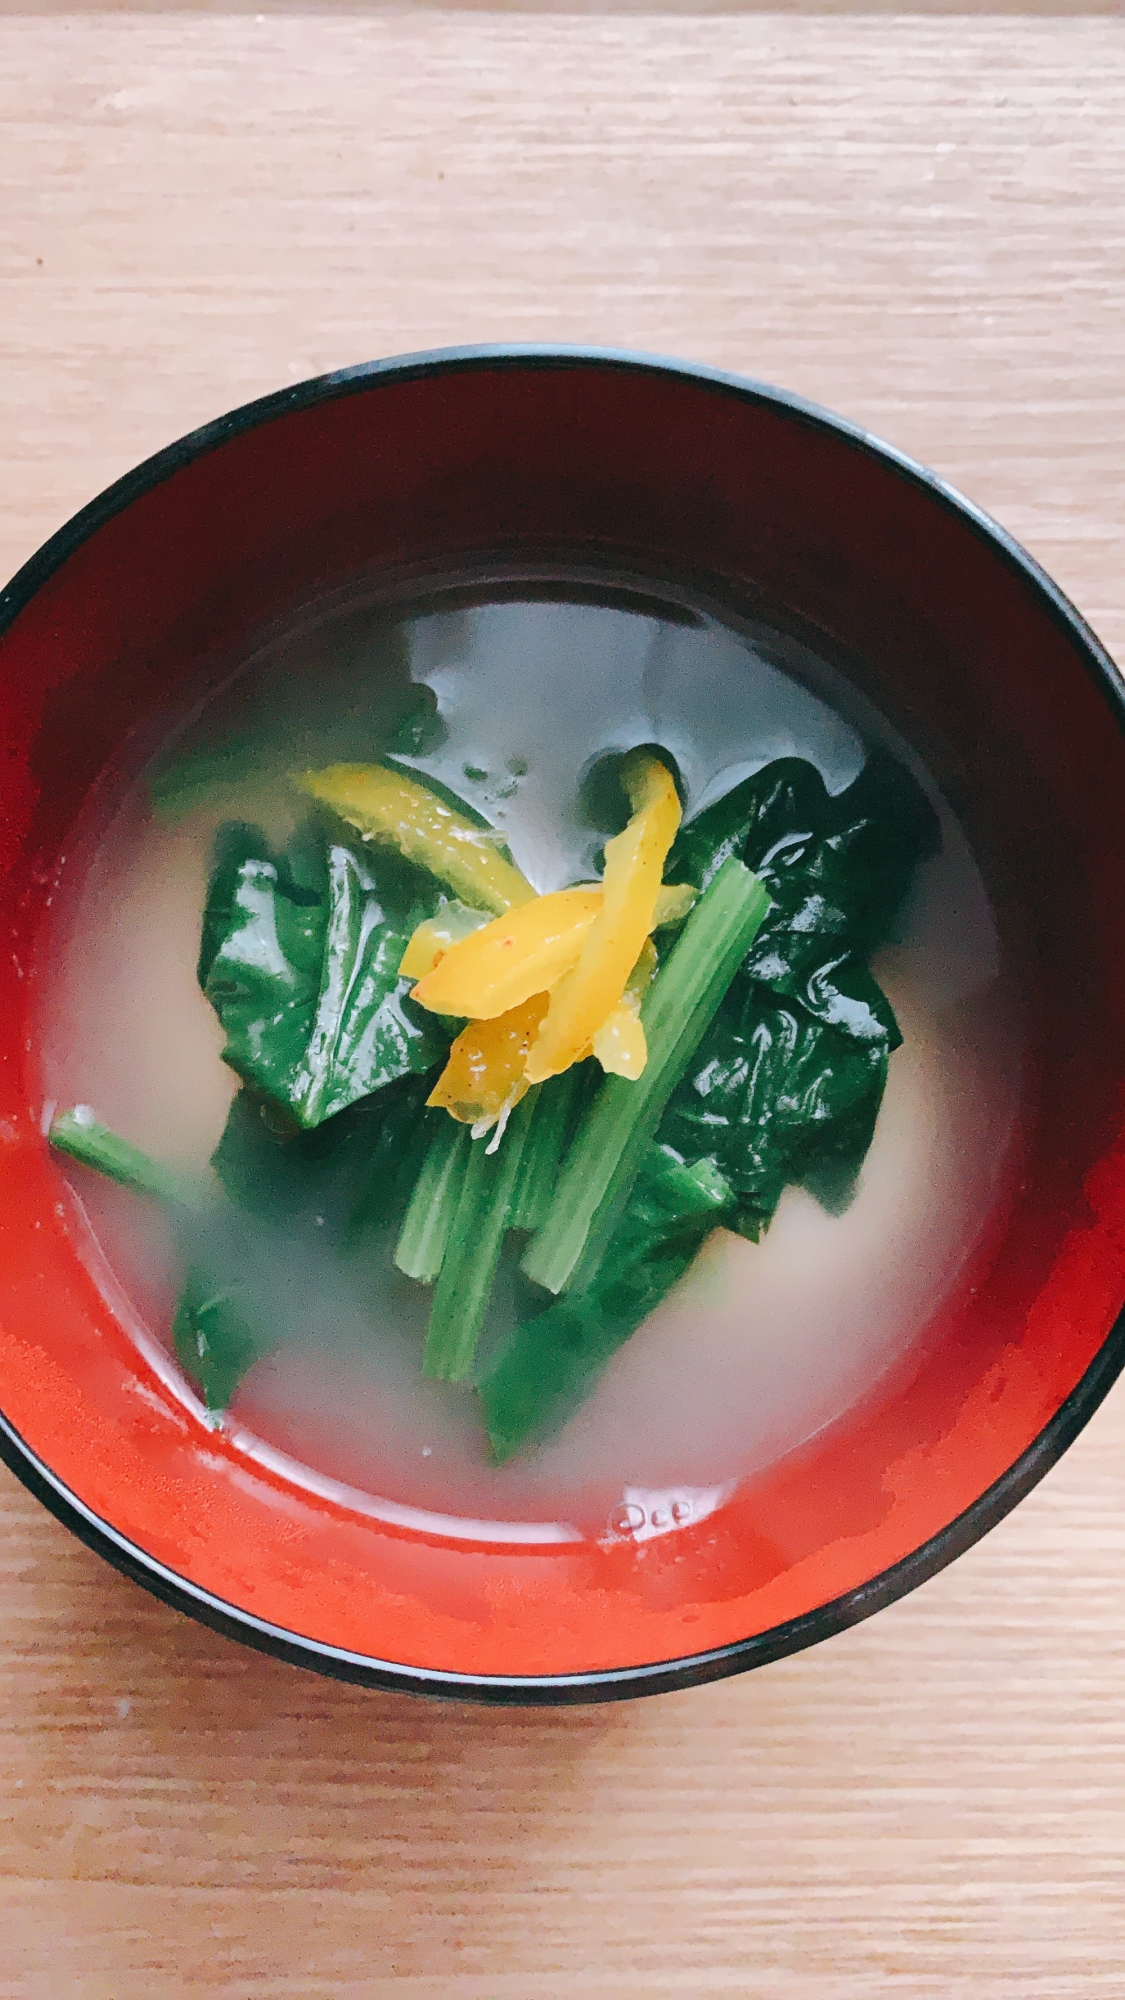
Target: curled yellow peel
x,y
673,903
620,1044
387,806
486,968
437,935
485,1076
525,952
634,864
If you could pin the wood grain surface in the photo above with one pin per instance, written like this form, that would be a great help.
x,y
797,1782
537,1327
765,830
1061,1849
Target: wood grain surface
x,y
922,223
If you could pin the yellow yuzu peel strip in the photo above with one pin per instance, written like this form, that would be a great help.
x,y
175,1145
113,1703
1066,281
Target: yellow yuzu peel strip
x,y
486,1071
386,805
525,952
620,1044
634,865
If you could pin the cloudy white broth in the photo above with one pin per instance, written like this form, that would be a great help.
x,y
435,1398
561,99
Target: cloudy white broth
x,y
814,1185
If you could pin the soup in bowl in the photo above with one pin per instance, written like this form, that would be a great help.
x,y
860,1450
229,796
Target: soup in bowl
x,y
562,1046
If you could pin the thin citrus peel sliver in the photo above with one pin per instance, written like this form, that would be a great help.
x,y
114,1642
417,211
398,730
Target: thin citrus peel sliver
x,y
559,977
485,1076
502,965
634,866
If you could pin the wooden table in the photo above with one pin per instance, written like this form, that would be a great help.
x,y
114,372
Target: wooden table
x,y
921,222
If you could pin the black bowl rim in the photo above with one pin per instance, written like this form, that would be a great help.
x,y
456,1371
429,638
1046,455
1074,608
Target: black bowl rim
x,y
611,1684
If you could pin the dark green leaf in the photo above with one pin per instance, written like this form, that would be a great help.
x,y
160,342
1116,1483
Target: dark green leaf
x,y
776,1097
216,1336
314,1192
553,1360
350,1175
789,1079
389,1165
300,962
837,869
784,800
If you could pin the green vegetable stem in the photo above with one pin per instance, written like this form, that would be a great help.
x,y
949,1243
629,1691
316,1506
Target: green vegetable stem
x,y
552,1121
433,1205
217,1330
79,1135
472,1252
606,1153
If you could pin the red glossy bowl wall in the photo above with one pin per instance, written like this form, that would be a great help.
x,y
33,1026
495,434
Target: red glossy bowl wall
x,y
675,476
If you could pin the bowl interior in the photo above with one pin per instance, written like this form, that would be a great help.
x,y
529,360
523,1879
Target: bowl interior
x,y
494,466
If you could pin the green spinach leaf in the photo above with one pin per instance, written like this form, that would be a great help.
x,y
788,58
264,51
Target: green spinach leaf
x,y
776,1097
319,1193
217,1335
299,959
554,1359
837,870
788,1081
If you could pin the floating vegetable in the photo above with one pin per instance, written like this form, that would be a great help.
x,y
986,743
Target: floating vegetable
x,y
388,807
471,971
554,1359
620,1044
300,960
634,868
476,1237
524,952
486,1074
749,1053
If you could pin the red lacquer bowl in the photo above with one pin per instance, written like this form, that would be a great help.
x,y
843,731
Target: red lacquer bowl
x,y
971,652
